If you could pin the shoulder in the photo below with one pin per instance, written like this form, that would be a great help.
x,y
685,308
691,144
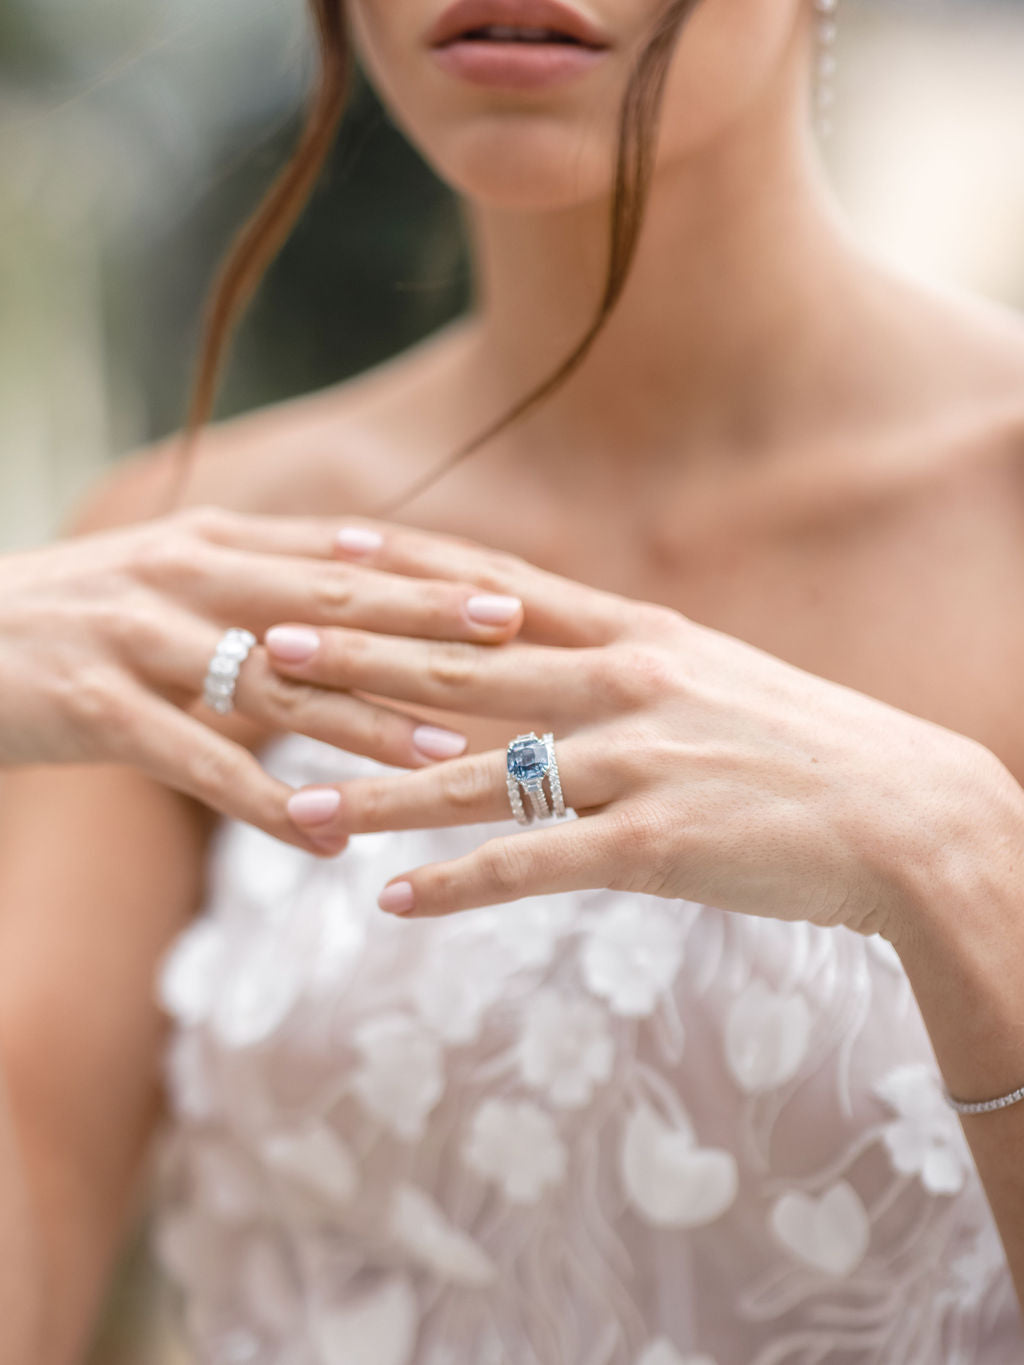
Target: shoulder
x,y
341,450
965,358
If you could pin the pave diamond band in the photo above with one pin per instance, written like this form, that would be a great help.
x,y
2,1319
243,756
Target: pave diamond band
x,y
529,761
985,1106
232,650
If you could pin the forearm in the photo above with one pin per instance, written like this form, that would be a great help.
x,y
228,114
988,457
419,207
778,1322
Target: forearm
x,y
21,1278
98,870
964,955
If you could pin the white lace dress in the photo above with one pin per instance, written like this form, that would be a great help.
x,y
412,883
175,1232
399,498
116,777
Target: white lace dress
x,y
584,1129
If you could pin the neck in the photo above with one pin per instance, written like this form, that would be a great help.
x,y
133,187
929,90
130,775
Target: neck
x,y
735,303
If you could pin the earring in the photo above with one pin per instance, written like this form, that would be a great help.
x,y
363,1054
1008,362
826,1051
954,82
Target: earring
x,y
825,64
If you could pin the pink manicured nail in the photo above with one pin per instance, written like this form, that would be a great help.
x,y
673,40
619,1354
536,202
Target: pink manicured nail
x,y
491,610
397,899
292,644
315,806
358,540
434,742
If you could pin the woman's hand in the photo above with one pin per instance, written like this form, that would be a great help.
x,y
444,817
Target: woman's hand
x,y
704,768
105,641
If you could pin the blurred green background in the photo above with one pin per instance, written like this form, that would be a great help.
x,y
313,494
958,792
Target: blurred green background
x,y
135,136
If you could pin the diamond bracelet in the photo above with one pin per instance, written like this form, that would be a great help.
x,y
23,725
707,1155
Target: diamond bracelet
x,y
984,1106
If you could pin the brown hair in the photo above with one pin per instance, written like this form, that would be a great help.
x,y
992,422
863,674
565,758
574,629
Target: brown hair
x,y
264,234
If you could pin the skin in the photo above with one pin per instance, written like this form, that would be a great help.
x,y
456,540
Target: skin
x,y
811,467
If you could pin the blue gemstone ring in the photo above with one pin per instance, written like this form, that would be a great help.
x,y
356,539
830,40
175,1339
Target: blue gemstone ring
x,y
529,761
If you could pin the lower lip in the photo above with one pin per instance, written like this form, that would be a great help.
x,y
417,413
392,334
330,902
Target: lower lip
x,y
516,66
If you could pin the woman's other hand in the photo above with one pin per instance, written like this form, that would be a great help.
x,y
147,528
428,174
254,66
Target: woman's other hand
x,y
105,641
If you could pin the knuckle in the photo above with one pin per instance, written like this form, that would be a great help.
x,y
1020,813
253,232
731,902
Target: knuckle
x,y
96,700
451,665
504,866
464,786
498,571
334,592
631,675
439,608
170,558
655,622
641,841
647,832
211,768
365,806
285,699
134,628
380,733
441,884
206,522
629,756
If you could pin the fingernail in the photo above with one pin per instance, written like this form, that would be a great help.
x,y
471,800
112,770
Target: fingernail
x,y
358,540
397,899
434,742
314,806
292,644
490,610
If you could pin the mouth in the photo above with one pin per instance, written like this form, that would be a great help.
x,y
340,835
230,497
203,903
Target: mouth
x,y
525,23
504,33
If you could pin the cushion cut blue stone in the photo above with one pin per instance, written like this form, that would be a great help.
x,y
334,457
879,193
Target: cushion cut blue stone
x,y
527,759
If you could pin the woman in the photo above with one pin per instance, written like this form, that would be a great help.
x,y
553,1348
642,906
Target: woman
x,y
684,1103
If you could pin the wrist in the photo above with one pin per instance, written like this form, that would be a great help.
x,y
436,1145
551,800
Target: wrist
x,y
961,933
960,877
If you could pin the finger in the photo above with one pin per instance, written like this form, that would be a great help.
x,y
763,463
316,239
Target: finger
x,y
239,587
557,609
177,655
338,718
181,752
314,537
551,685
571,857
466,791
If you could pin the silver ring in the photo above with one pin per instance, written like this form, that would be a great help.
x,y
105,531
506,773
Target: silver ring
x,y
233,649
528,761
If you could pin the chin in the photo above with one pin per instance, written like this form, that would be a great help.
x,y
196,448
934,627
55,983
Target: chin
x,y
528,169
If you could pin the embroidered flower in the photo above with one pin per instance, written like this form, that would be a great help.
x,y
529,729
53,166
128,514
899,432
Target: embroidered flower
x,y
252,866
662,1352
565,1049
668,1179
976,1269
373,1322
402,1075
632,954
190,1076
830,1233
926,1140
766,1037
226,1180
268,1287
192,970
422,1228
527,933
315,1159
517,1145
457,985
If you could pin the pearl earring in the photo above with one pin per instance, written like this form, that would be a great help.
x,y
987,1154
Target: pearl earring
x,y
825,64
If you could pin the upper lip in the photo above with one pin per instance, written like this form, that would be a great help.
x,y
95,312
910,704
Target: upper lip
x,y
466,15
